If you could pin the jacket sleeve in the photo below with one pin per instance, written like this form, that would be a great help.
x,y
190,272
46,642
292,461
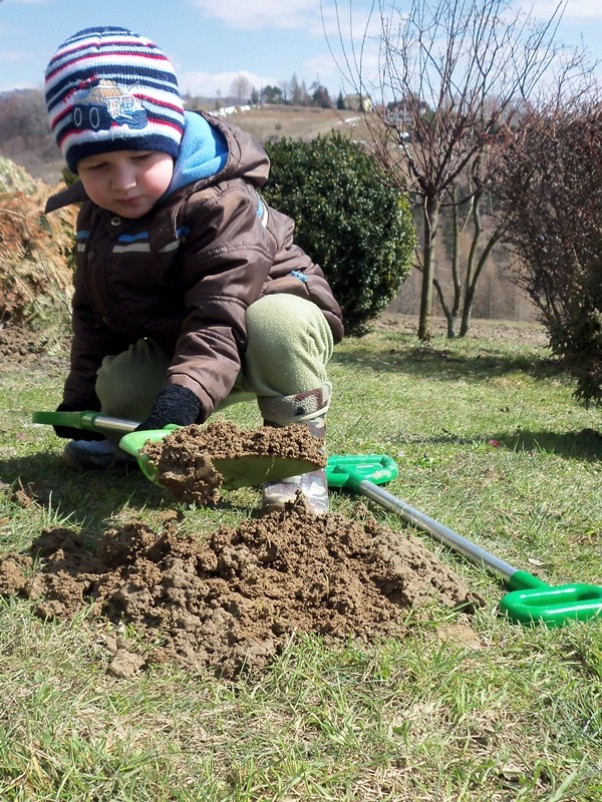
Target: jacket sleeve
x,y
225,263
90,343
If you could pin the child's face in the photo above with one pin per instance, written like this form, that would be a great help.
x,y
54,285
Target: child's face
x,y
126,182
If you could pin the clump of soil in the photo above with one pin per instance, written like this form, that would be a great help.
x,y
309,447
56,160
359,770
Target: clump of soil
x,y
186,459
231,599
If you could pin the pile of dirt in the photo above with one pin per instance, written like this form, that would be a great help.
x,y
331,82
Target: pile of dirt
x,y
229,600
188,460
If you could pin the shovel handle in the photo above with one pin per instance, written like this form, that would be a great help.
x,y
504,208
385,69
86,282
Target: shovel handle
x,y
530,600
439,531
88,421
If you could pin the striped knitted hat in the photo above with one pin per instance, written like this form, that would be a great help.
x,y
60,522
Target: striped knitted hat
x,y
109,89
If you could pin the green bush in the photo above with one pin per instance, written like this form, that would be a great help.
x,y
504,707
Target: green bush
x,y
348,219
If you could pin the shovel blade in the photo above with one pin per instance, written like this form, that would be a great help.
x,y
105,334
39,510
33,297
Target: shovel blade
x,y
247,470
134,442
252,470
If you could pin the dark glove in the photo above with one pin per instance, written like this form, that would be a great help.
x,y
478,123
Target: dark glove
x,y
71,433
174,404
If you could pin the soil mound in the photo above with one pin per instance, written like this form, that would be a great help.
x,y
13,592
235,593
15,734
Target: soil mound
x,y
228,601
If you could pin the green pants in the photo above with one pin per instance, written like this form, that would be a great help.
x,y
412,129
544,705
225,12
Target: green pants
x,y
289,344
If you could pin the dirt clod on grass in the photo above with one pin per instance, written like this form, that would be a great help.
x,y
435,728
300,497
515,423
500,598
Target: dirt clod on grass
x,y
229,600
185,458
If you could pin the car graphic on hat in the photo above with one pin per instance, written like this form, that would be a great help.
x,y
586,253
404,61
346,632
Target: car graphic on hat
x,y
106,105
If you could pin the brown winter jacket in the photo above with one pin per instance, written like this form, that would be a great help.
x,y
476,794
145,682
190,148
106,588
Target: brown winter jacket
x,y
184,275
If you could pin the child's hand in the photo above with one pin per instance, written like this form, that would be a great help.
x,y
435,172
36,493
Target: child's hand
x,y
174,404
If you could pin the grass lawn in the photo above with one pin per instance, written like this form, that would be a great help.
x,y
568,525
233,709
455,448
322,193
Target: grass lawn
x,y
490,442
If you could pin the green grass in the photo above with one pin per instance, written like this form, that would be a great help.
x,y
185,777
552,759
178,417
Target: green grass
x,y
511,713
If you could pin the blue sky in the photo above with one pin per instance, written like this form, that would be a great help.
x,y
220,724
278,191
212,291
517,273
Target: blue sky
x,y
211,42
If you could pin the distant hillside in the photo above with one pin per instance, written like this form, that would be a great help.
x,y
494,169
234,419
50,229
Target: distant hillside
x,y
270,123
25,140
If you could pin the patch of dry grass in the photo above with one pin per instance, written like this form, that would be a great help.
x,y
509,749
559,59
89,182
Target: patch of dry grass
x,y
271,122
35,271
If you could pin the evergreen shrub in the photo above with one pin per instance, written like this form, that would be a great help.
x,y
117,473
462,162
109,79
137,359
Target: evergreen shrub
x,y
348,218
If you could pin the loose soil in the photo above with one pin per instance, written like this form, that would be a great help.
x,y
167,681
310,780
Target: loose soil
x,y
229,601
186,459
21,344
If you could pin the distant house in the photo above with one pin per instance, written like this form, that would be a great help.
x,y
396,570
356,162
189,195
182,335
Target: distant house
x,y
405,111
358,103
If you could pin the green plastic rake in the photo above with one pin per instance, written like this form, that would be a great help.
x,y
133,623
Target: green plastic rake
x,y
529,601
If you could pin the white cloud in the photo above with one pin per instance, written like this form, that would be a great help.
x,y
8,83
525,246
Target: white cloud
x,y
11,56
260,13
344,17
205,84
575,11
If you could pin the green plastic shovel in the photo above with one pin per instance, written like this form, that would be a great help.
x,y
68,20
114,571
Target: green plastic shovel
x,y
249,470
530,600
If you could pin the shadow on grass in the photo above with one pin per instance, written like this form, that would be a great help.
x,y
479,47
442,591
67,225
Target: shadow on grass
x,y
89,498
584,445
446,365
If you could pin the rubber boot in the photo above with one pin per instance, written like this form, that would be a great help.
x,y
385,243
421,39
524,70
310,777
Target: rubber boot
x,y
310,408
83,455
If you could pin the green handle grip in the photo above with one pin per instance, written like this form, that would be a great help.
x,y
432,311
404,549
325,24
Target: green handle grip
x,y
88,421
349,470
523,580
553,605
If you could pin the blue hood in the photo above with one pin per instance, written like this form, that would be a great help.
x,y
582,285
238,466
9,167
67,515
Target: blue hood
x,y
203,153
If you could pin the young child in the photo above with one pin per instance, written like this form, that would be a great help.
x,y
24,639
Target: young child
x,y
189,292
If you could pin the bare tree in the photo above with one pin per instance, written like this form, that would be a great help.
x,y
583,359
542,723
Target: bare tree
x,y
452,76
468,206
296,91
241,89
24,132
285,88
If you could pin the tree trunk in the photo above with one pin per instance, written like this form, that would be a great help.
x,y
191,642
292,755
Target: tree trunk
x,y
431,216
473,273
451,312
